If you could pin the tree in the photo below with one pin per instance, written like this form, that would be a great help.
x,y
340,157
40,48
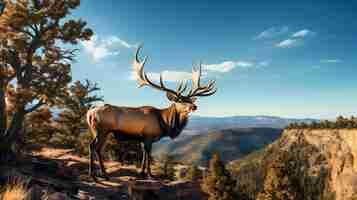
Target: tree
x,y
193,173
219,184
34,59
341,122
277,183
76,104
39,126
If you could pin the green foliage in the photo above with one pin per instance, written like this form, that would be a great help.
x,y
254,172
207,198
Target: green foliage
x,y
35,59
340,123
278,184
194,173
72,120
298,172
218,183
39,127
82,144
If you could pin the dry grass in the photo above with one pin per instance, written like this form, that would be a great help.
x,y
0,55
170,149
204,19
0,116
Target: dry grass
x,y
16,189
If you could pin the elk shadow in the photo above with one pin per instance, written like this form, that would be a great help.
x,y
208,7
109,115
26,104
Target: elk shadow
x,y
120,172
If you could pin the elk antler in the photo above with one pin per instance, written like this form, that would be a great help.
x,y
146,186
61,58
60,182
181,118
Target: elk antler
x,y
144,80
197,89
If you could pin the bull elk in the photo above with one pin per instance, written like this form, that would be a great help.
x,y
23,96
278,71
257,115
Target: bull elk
x,y
145,124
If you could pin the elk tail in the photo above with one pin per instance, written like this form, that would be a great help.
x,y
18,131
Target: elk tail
x,y
91,121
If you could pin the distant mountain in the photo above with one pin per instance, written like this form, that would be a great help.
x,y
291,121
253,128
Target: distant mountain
x,y
232,144
199,124
233,137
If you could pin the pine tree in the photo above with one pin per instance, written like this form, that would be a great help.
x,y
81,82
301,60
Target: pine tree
x,y
193,173
72,120
39,126
277,184
218,183
35,60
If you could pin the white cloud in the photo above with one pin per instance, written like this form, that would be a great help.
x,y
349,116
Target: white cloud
x,y
227,66
331,61
171,76
102,48
288,43
117,42
207,70
303,33
272,32
263,64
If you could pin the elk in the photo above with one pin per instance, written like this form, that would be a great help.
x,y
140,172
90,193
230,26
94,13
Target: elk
x,y
145,124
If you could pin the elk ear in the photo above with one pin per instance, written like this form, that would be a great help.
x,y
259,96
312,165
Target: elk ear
x,y
171,96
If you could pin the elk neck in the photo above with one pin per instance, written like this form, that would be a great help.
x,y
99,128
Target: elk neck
x,y
173,122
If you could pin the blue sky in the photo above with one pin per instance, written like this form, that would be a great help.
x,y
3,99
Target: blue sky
x,y
282,58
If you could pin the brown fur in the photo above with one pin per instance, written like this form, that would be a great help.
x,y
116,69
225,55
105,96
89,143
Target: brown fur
x,y
143,124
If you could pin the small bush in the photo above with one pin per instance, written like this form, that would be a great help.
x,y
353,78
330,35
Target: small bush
x,y
219,184
193,173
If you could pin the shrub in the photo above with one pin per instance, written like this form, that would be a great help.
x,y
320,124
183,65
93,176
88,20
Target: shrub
x,y
339,123
193,173
218,183
16,189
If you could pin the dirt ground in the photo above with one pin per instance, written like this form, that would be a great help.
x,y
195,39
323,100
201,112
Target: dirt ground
x,y
61,172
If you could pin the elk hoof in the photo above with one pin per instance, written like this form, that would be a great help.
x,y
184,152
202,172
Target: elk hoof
x,y
150,176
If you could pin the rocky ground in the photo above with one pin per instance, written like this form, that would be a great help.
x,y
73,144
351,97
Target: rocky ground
x,y
62,175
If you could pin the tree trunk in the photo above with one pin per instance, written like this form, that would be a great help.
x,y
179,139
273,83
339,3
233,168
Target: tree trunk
x,y
3,119
11,135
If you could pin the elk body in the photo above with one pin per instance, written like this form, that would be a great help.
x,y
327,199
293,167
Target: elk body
x,y
144,124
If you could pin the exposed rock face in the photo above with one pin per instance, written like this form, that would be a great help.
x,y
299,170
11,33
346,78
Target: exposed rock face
x,y
336,153
151,189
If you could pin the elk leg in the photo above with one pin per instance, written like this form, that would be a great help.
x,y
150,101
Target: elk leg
x,y
91,163
143,163
148,147
99,147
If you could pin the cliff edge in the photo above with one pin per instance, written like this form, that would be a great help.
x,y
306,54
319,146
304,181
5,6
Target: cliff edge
x,y
302,164
338,147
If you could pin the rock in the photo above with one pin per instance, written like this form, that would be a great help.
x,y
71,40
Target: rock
x,y
150,189
55,184
36,191
337,154
45,166
188,190
83,195
144,189
58,196
68,173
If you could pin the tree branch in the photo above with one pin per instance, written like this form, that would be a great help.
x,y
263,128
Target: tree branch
x,y
38,105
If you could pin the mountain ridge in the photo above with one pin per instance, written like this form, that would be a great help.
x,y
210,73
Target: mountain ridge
x,y
230,143
202,124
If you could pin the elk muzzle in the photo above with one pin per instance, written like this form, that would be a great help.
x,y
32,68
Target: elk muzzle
x,y
193,108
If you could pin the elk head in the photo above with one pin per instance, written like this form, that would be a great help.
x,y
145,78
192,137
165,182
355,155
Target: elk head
x,y
184,103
